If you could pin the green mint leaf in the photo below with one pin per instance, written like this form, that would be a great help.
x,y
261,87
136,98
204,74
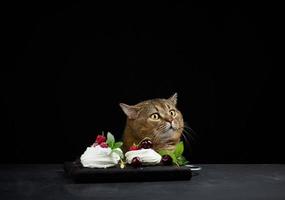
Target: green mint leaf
x,y
176,155
173,156
182,161
185,163
120,153
110,140
179,148
117,145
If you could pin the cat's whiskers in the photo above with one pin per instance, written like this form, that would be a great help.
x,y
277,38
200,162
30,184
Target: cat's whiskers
x,y
156,138
189,131
160,130
186,126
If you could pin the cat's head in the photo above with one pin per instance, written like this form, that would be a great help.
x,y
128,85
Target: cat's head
x,y
158,119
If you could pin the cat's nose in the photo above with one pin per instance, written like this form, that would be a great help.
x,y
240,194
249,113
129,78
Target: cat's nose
x,y
172,124
168,119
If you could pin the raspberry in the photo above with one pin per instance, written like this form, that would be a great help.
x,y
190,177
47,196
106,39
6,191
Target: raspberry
x,y
104,145
100,139
134,148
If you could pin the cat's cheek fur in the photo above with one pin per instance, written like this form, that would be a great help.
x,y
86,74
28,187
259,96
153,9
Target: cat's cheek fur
x,y
152,124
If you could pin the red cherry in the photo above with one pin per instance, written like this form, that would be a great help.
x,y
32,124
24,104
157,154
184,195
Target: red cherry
x,y
136,162
104,145
166,160
134,148
100,139
146,144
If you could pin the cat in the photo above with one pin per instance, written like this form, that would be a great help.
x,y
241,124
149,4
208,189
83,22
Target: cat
x,y
157,119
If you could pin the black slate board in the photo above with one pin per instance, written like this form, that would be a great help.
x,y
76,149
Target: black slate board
x,y
82,174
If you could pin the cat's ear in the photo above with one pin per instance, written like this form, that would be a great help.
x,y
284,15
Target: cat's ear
x,y
173,99
130,111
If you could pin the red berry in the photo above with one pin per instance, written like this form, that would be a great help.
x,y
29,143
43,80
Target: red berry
x,y
136,162
104,145
146,144
100,139
166,160
134,148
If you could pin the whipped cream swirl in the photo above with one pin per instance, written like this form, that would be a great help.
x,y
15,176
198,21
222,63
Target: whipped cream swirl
x,y
147,156
98,157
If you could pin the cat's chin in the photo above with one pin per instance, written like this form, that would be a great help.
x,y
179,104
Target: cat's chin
x,y
165,147
168,133
168,140
168,136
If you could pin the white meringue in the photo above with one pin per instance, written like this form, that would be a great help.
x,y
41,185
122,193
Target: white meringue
x,y
147,156
98,157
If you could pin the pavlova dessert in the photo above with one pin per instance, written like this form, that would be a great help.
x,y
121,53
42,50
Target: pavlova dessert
x,y
143,154
104,153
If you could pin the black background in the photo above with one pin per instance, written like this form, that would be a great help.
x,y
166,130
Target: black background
x,y
66,66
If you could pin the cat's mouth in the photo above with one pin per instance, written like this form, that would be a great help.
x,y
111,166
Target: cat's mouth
x,y
171,129
174,128
167,134
166,145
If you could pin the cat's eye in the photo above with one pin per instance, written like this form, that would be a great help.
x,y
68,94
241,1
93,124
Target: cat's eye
x,y
172,113
155,116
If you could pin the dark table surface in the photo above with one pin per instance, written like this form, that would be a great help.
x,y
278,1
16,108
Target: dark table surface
x,y
214,181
